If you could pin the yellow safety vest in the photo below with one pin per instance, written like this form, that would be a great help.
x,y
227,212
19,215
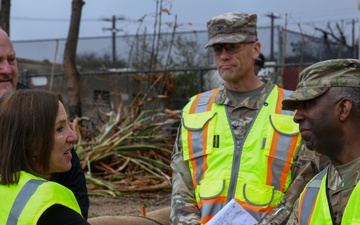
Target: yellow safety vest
x,y
257,172
25,202
314,207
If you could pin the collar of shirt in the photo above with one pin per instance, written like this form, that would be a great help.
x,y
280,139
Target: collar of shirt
x,y
344,176
224,97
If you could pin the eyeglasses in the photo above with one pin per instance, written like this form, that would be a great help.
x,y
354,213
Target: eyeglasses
x,y
230,48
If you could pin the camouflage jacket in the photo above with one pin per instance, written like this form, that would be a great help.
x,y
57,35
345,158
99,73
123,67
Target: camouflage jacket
x,y
341,182
242,109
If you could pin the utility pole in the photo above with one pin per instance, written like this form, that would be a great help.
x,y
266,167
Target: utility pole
x,y
113,31
359,31
353,38
272,17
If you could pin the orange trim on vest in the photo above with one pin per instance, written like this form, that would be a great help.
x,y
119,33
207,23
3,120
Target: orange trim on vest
x,y
274,144
275,141
190,144
195,103
205,131
205,219
220,199
312,212
301,200
204,140
212,99
287,168
204,166
279,100
205,136
245,205
255,208
191,153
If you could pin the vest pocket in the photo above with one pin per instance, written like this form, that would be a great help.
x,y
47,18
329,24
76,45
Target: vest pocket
x,y
259,195
287,129
284,124
197,134
211,188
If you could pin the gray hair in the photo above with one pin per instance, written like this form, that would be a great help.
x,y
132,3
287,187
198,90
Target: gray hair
x,y
352,93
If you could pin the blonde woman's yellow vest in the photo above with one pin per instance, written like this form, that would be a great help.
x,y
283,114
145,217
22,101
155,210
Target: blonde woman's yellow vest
x,y
25,202
256,173
314,207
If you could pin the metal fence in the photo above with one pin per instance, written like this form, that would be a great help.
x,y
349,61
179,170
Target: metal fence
x,y
282,44
184,66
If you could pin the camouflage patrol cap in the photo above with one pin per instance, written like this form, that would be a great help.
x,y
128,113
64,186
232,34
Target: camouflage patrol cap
x,y
317,79
231,27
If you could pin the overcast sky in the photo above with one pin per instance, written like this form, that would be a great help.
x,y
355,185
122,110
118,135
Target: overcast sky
x,y
49,19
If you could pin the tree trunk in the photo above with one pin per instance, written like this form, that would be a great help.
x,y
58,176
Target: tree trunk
x,y
5,16
72,75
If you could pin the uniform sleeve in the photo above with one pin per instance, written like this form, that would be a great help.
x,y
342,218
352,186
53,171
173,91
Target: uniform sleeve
x,y
75,180
306,165
60,215
293,220
184,209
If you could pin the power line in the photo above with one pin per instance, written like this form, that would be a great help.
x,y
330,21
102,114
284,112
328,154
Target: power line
x,y
48,19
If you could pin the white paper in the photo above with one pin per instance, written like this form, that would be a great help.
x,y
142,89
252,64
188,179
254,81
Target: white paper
x,y
232,214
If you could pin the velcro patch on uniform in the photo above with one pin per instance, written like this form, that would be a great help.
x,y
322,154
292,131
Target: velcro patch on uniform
x,y
216,141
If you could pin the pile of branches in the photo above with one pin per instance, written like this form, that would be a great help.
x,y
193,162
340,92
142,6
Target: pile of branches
x,y
130,153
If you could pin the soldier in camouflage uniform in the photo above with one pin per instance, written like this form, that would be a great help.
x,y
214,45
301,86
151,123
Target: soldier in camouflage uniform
x,y
327,100
235,47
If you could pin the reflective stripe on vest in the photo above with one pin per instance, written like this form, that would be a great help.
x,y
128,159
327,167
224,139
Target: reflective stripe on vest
x,y
27,200
21,199
281,145
197,139
308,198
197,146
314,195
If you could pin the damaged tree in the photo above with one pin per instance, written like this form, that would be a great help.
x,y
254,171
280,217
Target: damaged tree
x,y
5,16
72,75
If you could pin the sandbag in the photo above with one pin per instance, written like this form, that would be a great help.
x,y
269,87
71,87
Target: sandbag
x,y
156,217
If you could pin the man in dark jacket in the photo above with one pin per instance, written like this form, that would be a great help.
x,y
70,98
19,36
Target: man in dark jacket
x,y
259,63
74,179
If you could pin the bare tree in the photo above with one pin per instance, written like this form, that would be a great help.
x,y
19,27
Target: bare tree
x,y
72,75
5,15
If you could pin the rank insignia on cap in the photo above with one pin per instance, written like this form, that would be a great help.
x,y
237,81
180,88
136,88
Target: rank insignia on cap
x,y
219,28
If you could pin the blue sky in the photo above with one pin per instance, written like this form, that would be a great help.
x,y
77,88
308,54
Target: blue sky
x,y
49,19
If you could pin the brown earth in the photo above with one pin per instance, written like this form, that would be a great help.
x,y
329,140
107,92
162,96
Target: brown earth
x,y
129,203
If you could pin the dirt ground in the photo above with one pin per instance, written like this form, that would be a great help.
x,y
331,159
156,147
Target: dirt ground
x,y
129,203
